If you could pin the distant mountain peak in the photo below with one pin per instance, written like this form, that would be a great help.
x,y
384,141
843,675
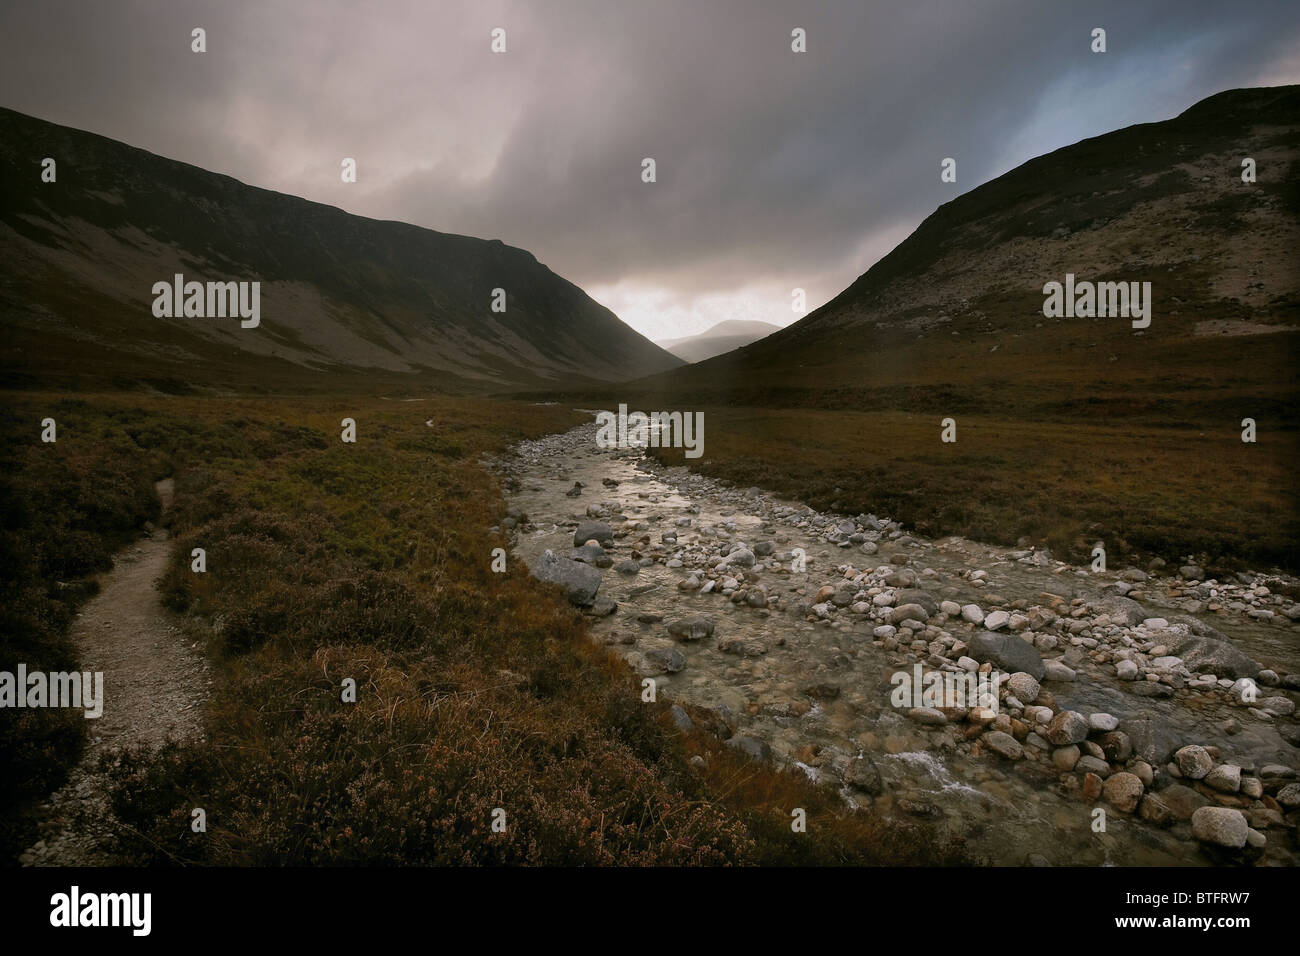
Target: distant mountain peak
x,y
718,339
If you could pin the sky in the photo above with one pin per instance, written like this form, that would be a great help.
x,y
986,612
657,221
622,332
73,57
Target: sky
x,y
774,169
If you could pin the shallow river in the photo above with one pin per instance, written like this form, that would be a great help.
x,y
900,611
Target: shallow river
x,y
1011,813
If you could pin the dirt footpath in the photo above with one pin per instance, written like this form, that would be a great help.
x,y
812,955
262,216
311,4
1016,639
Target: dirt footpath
x,y
155,685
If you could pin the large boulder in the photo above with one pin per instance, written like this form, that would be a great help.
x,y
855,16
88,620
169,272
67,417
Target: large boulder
x,y
1122,610
917,596
593,530
1210,654
695,628
1006,652
1221,826
580,581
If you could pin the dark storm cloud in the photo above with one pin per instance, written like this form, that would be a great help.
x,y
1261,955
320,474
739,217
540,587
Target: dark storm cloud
x,y
775,169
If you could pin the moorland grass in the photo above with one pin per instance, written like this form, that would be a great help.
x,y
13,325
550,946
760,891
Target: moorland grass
x,y
1143,490
475,691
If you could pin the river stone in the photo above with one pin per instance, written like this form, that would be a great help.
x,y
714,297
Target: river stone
x,y
1123,791
1007,652
1277,771
1289,796
1122,610
1222,826
1003,744
823,690
1102,722
1067,727
741,557
927,715
1039,715
666,659
1277,706
972,614
907,612
1182,801
1092,765
1023,686
996,620
628,566
917,596
1193,762
864,775
681,718
1092,786
1055,670
692,628
1205,654
1226,778
742,646
1153,739
1064,758
580,581
1116,746
1153,809
593,530
751,747
592,554
1126,670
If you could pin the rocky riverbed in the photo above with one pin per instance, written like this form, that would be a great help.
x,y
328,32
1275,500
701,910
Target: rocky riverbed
x,y
1164,700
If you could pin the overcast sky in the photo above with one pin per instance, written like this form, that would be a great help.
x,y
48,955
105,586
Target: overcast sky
x,y
775,169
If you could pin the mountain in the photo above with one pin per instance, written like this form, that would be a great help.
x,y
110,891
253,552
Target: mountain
x,y
953,318
718,339
343,300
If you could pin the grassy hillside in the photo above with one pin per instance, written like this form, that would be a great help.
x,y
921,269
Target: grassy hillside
x,y
345,301
1068,429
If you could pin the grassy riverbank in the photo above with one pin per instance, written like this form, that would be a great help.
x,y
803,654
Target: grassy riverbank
x,y
476,691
